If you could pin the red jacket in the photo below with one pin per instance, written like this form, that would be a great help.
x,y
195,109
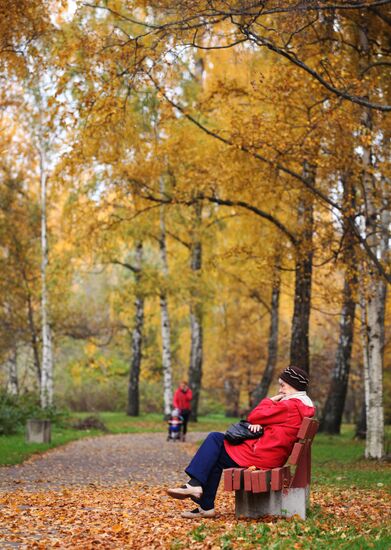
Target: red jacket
x,y
281,421
182,399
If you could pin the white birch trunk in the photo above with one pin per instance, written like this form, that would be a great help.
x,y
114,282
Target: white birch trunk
x,y
373,304
372,331
196,315
165,318
13,383
374,447
47,355
373,289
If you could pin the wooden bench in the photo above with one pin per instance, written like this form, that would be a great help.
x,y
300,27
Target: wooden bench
x,y
279,491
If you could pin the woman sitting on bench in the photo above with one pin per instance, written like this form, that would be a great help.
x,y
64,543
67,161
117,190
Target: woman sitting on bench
x,y
280,416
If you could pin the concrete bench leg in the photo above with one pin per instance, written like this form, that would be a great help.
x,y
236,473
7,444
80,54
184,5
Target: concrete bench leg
x,y
294,501
38,431
274,503
256,505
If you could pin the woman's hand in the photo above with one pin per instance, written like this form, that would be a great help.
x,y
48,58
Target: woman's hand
x,y
277,397
254,427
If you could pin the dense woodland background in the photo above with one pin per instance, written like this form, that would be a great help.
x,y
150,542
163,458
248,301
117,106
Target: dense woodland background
x,y
196,190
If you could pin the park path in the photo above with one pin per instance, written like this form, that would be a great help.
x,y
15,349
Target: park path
x,y
103,461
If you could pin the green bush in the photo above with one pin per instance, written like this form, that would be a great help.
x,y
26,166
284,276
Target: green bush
x,y
11,416
95,396
209,403
151,397
15,410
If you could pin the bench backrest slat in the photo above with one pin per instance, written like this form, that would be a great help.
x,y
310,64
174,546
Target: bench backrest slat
x,y
296,453
301,453
308,429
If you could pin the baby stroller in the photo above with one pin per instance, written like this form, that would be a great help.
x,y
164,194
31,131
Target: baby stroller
x,y
175,426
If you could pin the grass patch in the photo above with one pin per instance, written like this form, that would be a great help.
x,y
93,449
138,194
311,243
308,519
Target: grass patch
x,y
14,449
339,518
339,460
309,535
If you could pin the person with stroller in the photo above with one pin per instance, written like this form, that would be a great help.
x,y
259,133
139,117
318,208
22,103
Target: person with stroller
x,y
280,416
182,401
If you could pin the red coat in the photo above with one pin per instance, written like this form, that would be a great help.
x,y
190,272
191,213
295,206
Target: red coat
x,y
281,421
182,399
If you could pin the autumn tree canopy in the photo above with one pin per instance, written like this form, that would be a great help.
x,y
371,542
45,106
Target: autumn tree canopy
x,y
217,194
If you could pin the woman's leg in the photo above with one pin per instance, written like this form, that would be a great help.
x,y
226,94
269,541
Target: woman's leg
x,y
205,472
207,466
206,457
207,499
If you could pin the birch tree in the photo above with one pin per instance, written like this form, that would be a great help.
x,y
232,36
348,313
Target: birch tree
x,y
373,287
196,312
47,352
13,381
165,317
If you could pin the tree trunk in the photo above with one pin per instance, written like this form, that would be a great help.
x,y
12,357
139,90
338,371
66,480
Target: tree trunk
x,y
13,382
333,410
196,316
232,394
361,424
373,339
34,338
299,353
165,318
373,288
262,388
47,354
133,408
334,407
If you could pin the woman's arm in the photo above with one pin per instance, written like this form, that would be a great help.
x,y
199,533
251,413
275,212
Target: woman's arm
x,y
175,400
269,411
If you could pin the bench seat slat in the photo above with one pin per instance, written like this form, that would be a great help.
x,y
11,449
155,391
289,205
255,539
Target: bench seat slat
x,y
247,480
228,479
255,485
278,478
237,479
264,480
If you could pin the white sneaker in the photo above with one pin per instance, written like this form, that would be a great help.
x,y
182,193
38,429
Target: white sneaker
x,y
199,513
185,491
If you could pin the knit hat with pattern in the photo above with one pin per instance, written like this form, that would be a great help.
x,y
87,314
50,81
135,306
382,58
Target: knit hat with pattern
x,y
295,377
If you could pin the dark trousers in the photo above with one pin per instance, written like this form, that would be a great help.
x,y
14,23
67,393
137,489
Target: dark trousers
x,y
185,414
207,466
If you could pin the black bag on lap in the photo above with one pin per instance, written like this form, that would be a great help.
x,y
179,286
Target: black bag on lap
x,y
239,432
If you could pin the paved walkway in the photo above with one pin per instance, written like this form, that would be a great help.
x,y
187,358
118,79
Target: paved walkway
x,y
104,461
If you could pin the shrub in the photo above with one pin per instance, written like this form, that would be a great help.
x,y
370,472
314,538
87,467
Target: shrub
x,y
11,417
91,396
90,423
15,410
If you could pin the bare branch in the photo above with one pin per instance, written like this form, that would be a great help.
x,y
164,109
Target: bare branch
x,y
258,212
261,41
125,264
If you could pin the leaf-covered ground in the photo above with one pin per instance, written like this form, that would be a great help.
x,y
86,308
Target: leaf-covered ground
x,y
113,496
142,516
